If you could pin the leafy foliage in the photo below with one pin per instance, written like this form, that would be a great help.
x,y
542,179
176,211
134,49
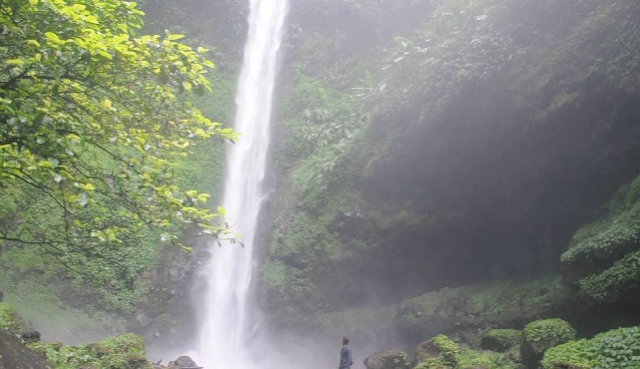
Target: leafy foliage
x,y
120,283
448,349
603,255
93,117
615,349
614,282
452,356
8,320
126,351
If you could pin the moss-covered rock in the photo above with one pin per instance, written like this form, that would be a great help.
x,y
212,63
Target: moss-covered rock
x,y
439,347
126,351
505,304
390,359
549,331
443,353
541,335
501,340
616,349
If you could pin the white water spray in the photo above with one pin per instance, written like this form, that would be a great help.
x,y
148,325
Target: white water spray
x,y
227,324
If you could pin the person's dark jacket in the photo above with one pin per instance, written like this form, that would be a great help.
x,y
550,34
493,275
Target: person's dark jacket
x,y
345,358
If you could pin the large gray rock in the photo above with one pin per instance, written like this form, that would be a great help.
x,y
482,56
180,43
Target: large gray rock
x,y
183,362
30,336
426,350
390,359
15,355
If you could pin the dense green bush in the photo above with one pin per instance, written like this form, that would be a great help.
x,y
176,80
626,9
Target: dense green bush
x,y
8,320
616,349
603,256
452,356
550,330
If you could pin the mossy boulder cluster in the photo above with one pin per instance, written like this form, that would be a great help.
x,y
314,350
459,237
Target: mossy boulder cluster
x,y
442,352
501,340
548,344
473,307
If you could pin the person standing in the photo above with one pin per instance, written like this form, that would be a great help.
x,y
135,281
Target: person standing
x,y
345,355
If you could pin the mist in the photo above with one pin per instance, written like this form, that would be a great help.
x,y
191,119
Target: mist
x,y
450,184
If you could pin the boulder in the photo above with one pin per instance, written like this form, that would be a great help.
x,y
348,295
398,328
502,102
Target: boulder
x,y
501,340
183,362
138,323
15,355
426,350
390,359
30,336
541,335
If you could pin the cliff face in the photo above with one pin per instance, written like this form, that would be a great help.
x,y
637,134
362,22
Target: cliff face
x,y
470,149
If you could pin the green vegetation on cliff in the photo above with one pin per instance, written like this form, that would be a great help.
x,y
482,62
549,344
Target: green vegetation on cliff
x,y
406,163
603,256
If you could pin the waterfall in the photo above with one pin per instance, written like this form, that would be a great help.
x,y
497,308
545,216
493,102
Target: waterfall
x,y
226,321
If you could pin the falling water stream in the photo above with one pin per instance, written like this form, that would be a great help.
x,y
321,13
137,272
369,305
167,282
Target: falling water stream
x,y
227,325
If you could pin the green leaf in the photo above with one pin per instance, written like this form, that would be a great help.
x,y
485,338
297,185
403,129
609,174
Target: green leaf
x,y
15,62
173,37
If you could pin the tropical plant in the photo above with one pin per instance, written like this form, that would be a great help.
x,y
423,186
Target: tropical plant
x,y
91,114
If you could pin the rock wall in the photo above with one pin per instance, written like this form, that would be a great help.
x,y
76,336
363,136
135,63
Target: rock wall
x,y
469,149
